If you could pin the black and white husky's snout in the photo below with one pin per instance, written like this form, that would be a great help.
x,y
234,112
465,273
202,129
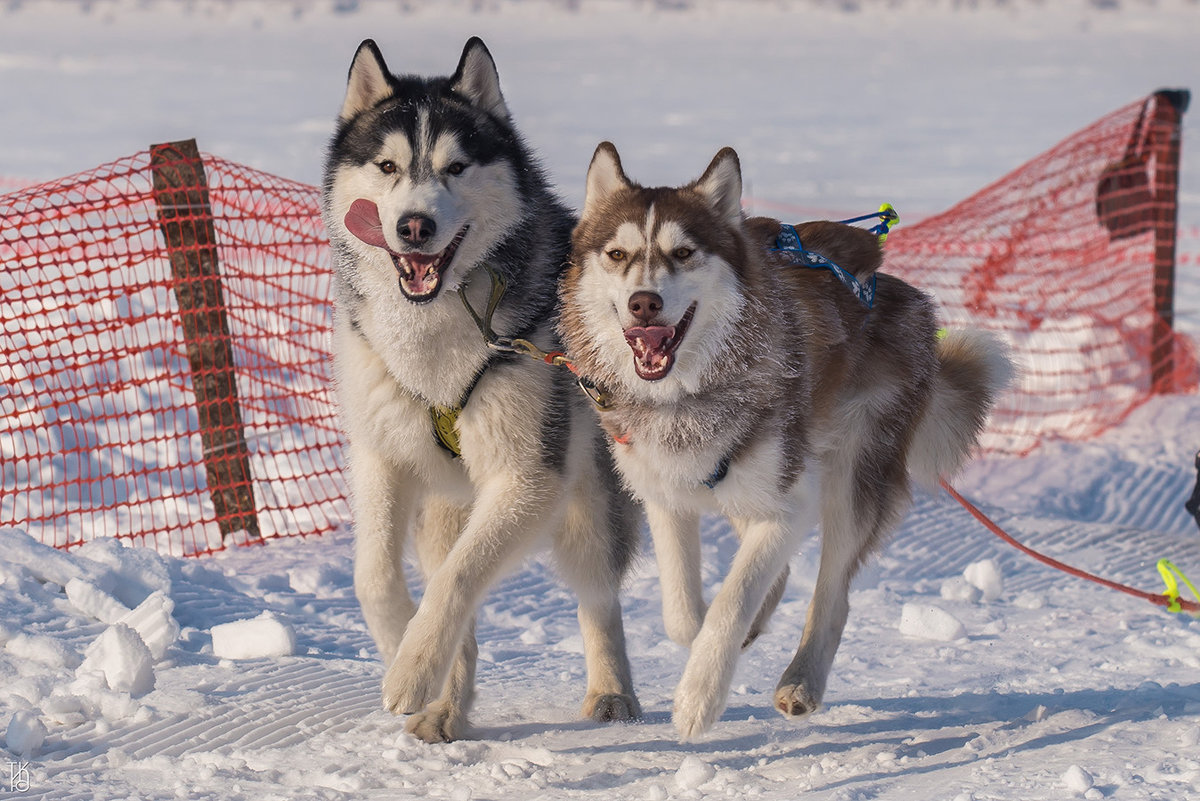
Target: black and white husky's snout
x,y
420,271
416,229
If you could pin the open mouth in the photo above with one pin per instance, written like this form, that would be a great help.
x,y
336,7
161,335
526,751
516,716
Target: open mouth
x,y
654,346
420,273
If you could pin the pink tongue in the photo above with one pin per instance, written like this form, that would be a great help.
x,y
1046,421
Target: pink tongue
x,y
420,284
362,220
653,339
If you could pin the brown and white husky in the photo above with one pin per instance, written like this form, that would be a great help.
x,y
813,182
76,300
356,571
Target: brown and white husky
x,y
740,382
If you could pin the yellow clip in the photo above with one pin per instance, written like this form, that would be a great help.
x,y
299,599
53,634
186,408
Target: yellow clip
x,y
889,217
445,427
1168,572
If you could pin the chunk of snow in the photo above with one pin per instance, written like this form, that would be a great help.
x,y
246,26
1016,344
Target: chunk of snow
x,y
693,772
1030,600
44,562
123,659
959,589
43,650
930,622
93,601
64,709
1077,780
321,580
262,636
987,577
137,572
25,733
153,621
535,634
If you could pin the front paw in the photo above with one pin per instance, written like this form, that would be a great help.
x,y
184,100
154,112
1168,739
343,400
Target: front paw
x,y
699,701
437,723
611,707
408,686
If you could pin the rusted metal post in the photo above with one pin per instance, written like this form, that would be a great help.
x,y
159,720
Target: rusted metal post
x,y
1166,136
186,220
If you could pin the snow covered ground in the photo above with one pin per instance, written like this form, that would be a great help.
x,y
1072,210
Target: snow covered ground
x,y
1049,689
1051,681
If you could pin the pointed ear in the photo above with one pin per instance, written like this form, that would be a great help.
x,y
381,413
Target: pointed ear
x,y
477,80
368,84
604,177
721,184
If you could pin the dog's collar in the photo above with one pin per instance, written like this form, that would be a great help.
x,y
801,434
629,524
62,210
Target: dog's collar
x,y
719,474
520,344
715,478
445,418
788,243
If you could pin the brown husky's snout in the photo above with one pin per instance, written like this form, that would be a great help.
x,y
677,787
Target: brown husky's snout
x,y
645,306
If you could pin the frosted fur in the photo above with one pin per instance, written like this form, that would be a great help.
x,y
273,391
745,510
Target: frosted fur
x,y
786,404
438,156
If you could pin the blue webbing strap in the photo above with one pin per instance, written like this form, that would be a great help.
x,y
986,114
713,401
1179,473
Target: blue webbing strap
x,y
788,243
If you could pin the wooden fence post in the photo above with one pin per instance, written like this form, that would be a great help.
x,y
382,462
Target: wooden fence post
x,y
1169,107
186,220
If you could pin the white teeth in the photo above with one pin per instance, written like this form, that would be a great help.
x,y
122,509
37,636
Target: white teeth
x,y
410,271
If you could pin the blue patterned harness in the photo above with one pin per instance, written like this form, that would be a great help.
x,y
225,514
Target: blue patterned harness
x,y
788,243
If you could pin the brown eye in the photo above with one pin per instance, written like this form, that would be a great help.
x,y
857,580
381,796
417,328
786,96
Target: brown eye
x,y
456,168
682,253
387,167
616,254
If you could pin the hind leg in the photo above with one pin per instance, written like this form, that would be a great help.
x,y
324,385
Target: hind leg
x,y
445,719
676,536
855,515
768,608
593,551
773,596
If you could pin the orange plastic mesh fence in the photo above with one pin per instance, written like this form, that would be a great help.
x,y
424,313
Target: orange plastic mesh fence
x,y
1070,258
126,398
99,427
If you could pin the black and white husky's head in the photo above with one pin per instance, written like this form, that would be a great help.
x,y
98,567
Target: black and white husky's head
x,y
424,176
653,298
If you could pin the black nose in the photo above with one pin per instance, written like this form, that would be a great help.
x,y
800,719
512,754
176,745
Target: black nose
x,y
645,306
416,229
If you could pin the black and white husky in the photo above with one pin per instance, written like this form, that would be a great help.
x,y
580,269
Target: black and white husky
x,y
742,383
475,453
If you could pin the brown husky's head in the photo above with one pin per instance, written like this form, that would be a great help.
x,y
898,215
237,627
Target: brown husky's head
x,y
652,296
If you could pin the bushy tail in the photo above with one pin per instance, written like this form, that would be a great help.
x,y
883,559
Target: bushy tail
x,y
974,367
